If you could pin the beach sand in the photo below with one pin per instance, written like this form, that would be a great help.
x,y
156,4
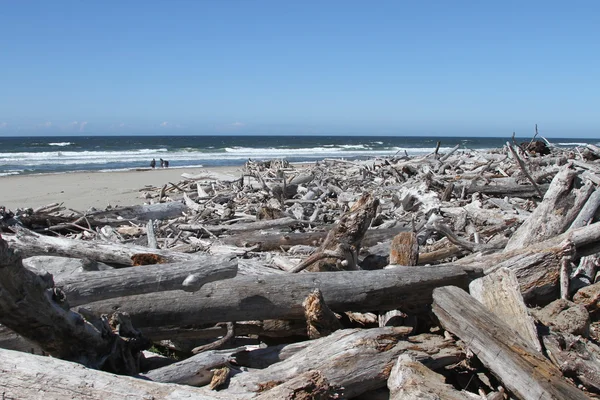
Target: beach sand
x,y
82,190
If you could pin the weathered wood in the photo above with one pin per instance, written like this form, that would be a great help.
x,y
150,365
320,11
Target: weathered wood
x,y
236,228
339,250
31,306
499,292
404,249
521,369
26,376
320,320
308,385
411,380
280,296
102,285
269,242
193,371
502,190
143,212
575,358
561,204
33,244
358,360
586,215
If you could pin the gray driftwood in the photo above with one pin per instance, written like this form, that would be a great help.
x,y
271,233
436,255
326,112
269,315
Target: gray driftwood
x,y
499,293
521,369
280,296
27,376
189,276
358,360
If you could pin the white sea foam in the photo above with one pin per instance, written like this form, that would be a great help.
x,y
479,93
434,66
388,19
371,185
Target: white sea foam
x,y
571,144
186,156
61,144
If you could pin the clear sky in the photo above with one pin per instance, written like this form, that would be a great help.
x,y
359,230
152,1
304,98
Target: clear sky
x,y
300,67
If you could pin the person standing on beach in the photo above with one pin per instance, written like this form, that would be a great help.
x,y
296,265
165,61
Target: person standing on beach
x,y
166,164
153,163
162,163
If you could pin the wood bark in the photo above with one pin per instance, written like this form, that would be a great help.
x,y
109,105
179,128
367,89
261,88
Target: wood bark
x,y
31,306
560,206
320,320
280,296
404,249
27,376
500,293
189,276
520,368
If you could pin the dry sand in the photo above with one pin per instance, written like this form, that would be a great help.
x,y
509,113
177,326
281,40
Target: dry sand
x,y
82,190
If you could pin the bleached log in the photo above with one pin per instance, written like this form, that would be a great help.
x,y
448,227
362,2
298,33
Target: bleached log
x,y
586,215
411,380
555,213
151,235
236,228
102,285
499,293
520,368
280,296
355,359
145,212
33,244
27,376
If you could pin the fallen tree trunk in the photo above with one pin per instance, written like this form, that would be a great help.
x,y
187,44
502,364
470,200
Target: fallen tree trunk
x,y
143,212
189,276
26,376
280,296
503,190
521,369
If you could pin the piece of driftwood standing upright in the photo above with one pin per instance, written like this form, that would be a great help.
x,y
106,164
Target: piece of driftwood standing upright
x,y
340,249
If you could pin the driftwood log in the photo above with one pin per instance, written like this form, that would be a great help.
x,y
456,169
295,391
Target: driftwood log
x,y
281,296
521,369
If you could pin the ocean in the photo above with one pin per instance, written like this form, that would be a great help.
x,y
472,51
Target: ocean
x,y
55,154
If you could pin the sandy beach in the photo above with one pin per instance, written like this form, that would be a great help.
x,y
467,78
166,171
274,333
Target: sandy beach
x,y
82,190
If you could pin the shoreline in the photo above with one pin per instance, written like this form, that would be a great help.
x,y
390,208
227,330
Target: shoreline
x,y
82,190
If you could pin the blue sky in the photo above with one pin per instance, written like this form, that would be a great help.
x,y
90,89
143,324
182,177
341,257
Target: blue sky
x,y
291,67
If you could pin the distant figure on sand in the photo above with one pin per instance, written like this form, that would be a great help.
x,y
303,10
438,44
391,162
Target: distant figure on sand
x,y
153,163
162,163
166,164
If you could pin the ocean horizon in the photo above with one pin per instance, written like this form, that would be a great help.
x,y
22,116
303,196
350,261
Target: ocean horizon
x,y
63,154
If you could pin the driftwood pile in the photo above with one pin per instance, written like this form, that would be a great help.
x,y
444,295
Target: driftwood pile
x,y
466,275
